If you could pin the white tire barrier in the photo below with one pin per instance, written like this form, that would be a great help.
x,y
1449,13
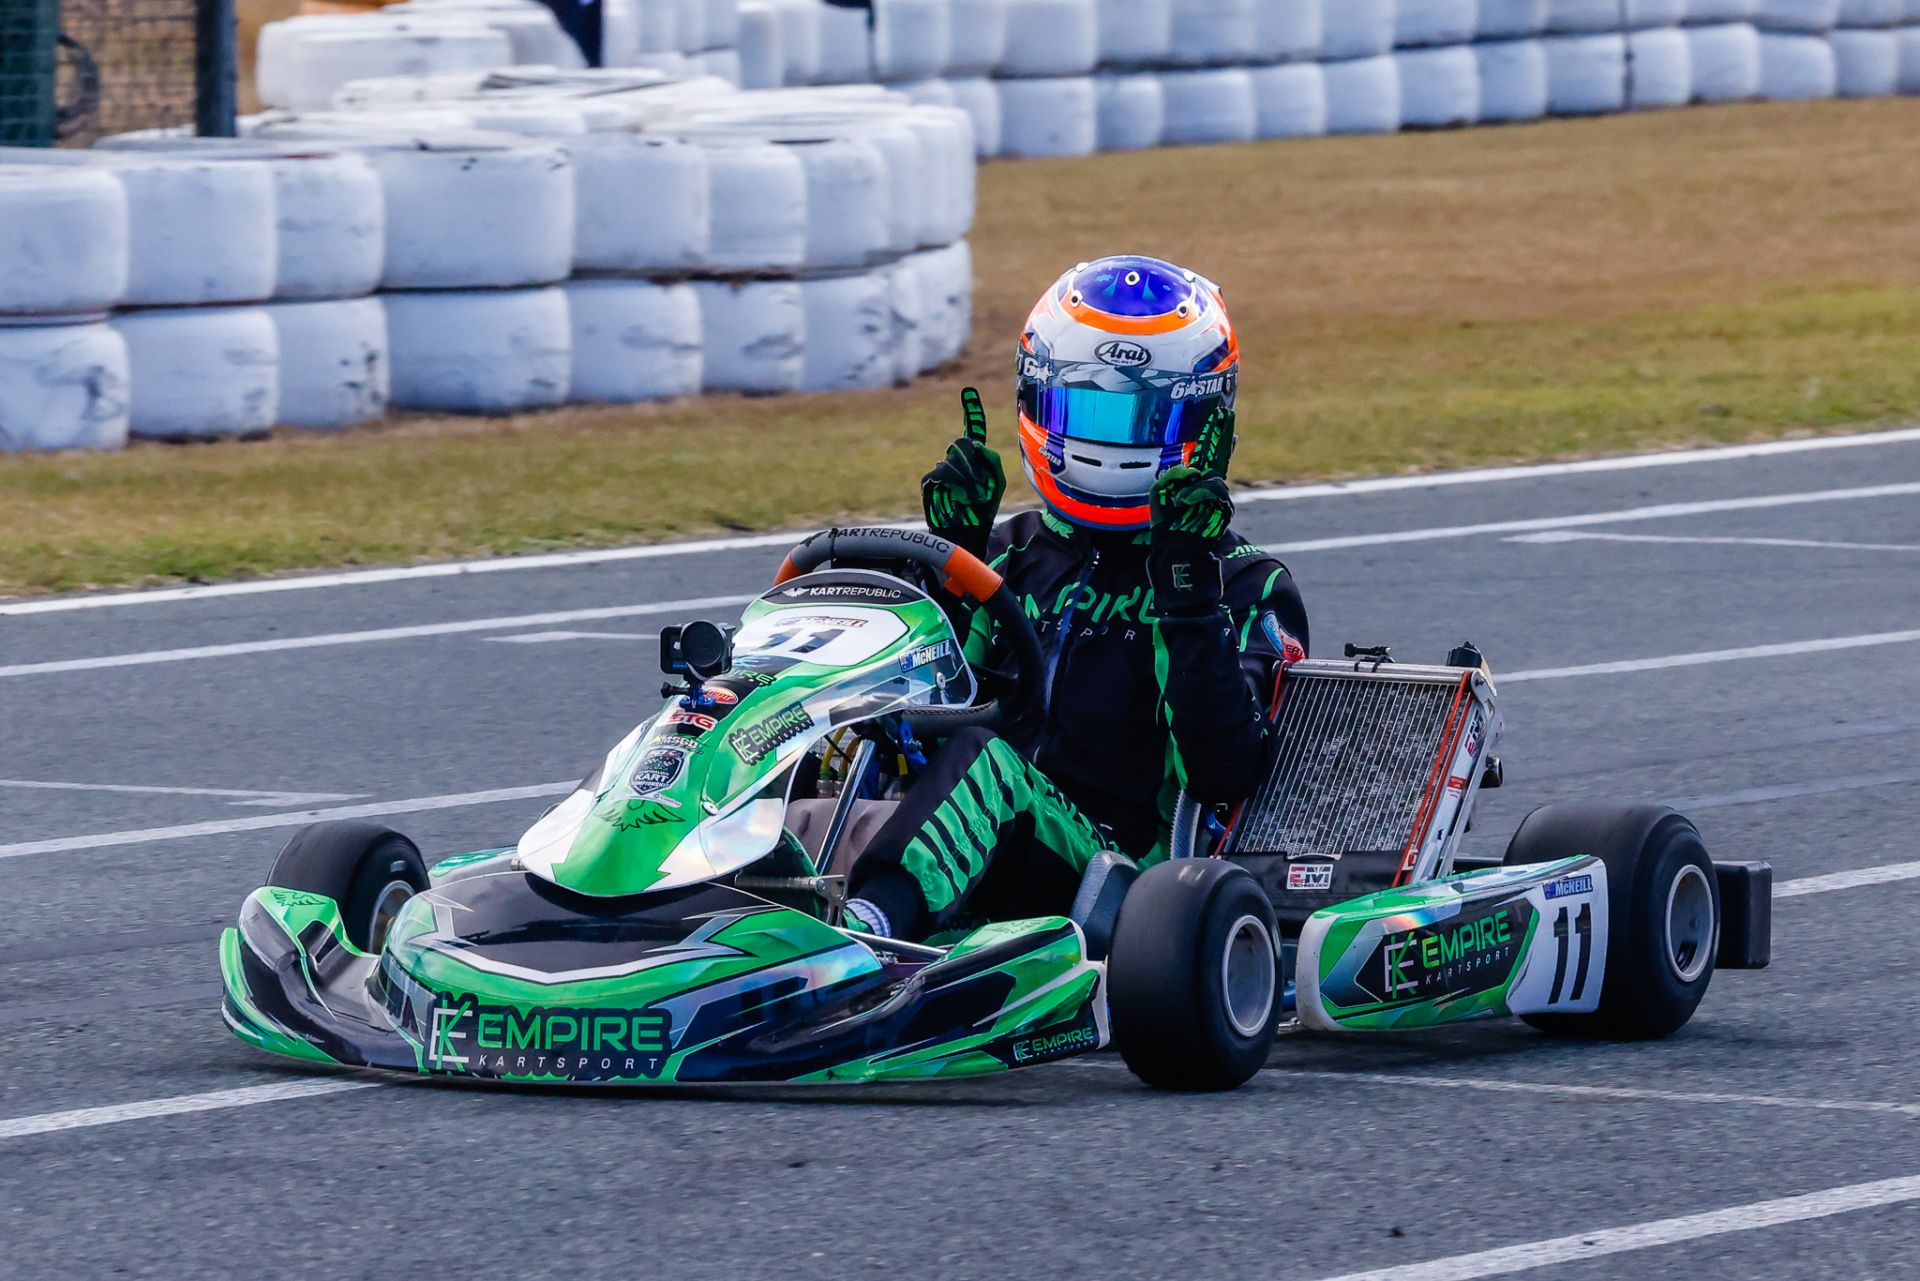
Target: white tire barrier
x,y
1725,60
1582,16
1290,101
754,335
1435,22
1659,69
485,351
1208,106
759,207
1705,11
909,311
1871,13
64,242
533,33
1050,38
633,340
1796,66
690,26
1135,33
799,39
976,36
302,61
1047,117
1439,87
331,219
981,101
912,39
850,335
1866,63
201,231
762,55
1910,60
846,45
1211,33
1356,29
643,204
1504,19
1796,15
721,64
723,23
1132,111
1513,80
472,211
1363,95
929,93
849,205
62,386
1586,75
201,371
1288,30
946,280
1642,14
335,368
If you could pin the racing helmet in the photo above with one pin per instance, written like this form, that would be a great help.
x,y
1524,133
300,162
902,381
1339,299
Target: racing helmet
x,y
1121,363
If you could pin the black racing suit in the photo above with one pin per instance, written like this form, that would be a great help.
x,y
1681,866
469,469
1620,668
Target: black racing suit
x,y
1134,707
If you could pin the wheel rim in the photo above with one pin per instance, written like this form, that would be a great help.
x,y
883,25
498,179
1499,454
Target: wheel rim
x,y
1689,923
1248,976
386,909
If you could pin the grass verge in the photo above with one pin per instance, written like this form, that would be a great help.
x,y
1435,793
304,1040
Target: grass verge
x,y
1409,302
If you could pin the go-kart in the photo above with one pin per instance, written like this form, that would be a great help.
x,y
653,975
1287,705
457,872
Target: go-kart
x,y
677,919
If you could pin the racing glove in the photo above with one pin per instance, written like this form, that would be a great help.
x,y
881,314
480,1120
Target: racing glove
x,y
1189,508
962,495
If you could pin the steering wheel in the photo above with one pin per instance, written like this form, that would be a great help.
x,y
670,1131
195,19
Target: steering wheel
x,y
960,573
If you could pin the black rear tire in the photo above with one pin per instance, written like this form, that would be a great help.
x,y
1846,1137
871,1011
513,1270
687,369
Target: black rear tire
x,y
1663,913
368,869
1194,978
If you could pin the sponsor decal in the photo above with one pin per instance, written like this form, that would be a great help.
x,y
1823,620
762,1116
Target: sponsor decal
x,y
295,898
876,592
1458,783
926,654
1446,960
740,676
1474,728
695,721
659,768
1310,876
718,695
1210,385
578,1044
1291,650
1126,355
1568,886
644,811
1055,1045
762,738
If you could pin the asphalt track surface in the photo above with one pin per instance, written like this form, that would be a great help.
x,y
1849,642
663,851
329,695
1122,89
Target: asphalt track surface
x,y
122,1152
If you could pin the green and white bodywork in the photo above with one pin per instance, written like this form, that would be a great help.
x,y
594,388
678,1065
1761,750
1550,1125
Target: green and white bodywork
x,y
608,945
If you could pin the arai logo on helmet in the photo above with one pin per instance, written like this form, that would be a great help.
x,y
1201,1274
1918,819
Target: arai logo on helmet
x,y
1126,355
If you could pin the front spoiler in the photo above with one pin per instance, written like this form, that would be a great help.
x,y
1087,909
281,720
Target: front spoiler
x,y
1008,996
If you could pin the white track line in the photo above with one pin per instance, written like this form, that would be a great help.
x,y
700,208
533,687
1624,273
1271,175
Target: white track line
x,y
547,638
1703,657
240,796
1884,874
1607,1093
1269,493
1790,791
1642,1236
1578,536
1658,511
326,640
331,639
267,822
212,1101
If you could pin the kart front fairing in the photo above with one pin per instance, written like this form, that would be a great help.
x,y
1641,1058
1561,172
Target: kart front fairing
x,y
700,790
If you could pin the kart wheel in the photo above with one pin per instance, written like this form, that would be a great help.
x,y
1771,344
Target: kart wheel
x,y
369,870
1663,912
1193,981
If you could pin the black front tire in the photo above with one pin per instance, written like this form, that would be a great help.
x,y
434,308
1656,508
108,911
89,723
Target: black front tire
x,y
368,869
1663,913
1194,978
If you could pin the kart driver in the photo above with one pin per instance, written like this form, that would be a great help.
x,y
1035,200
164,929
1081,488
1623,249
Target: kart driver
x,y
1161,627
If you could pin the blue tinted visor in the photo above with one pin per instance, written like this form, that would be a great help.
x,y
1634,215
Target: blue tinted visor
x,y
1150,407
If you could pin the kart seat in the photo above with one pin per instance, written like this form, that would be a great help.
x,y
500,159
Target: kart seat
x,y
809,820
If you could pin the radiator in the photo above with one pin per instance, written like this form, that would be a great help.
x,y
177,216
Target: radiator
x,y
1373,777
